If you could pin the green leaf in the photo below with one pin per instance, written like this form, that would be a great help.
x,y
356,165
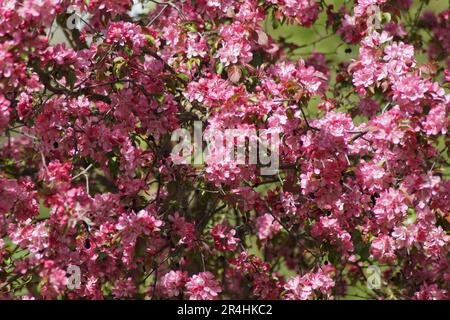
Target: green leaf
x,y
102,256
128,51
183,76
150,39
219,67
361,248
119,85
190,26
208,26
119,64
334,257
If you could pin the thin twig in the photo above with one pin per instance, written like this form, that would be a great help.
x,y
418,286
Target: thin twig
x,y
83,172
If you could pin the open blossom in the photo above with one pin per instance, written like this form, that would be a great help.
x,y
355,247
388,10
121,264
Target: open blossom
x,y
385,128
390,208
142,222
330,229
267,226
409,88
58,174
172,283
4,112
38,10
431,292
210,92
436,242
183,229
313,80
234,46
399,51
373,176
19,198
352,107
224,239
303,11
196,46
405,237
399,58
231,53
202,286
124,288
383,249
54,280
436,121
123,33
306,287
35,239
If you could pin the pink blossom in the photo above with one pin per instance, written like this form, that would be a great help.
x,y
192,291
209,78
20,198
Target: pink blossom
x,y
390,208
88,176
224,239
4,113
124,288
436,121
382,249
171,283
202,286
306,287
267,227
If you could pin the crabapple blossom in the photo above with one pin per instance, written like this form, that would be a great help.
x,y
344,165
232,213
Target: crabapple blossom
x,y
172,282
89,177
202,286
224,239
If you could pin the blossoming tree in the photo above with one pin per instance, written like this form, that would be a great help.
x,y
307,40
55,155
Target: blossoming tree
x,y
87,176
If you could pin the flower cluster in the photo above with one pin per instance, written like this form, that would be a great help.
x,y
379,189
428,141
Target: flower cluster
x,y
88,179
